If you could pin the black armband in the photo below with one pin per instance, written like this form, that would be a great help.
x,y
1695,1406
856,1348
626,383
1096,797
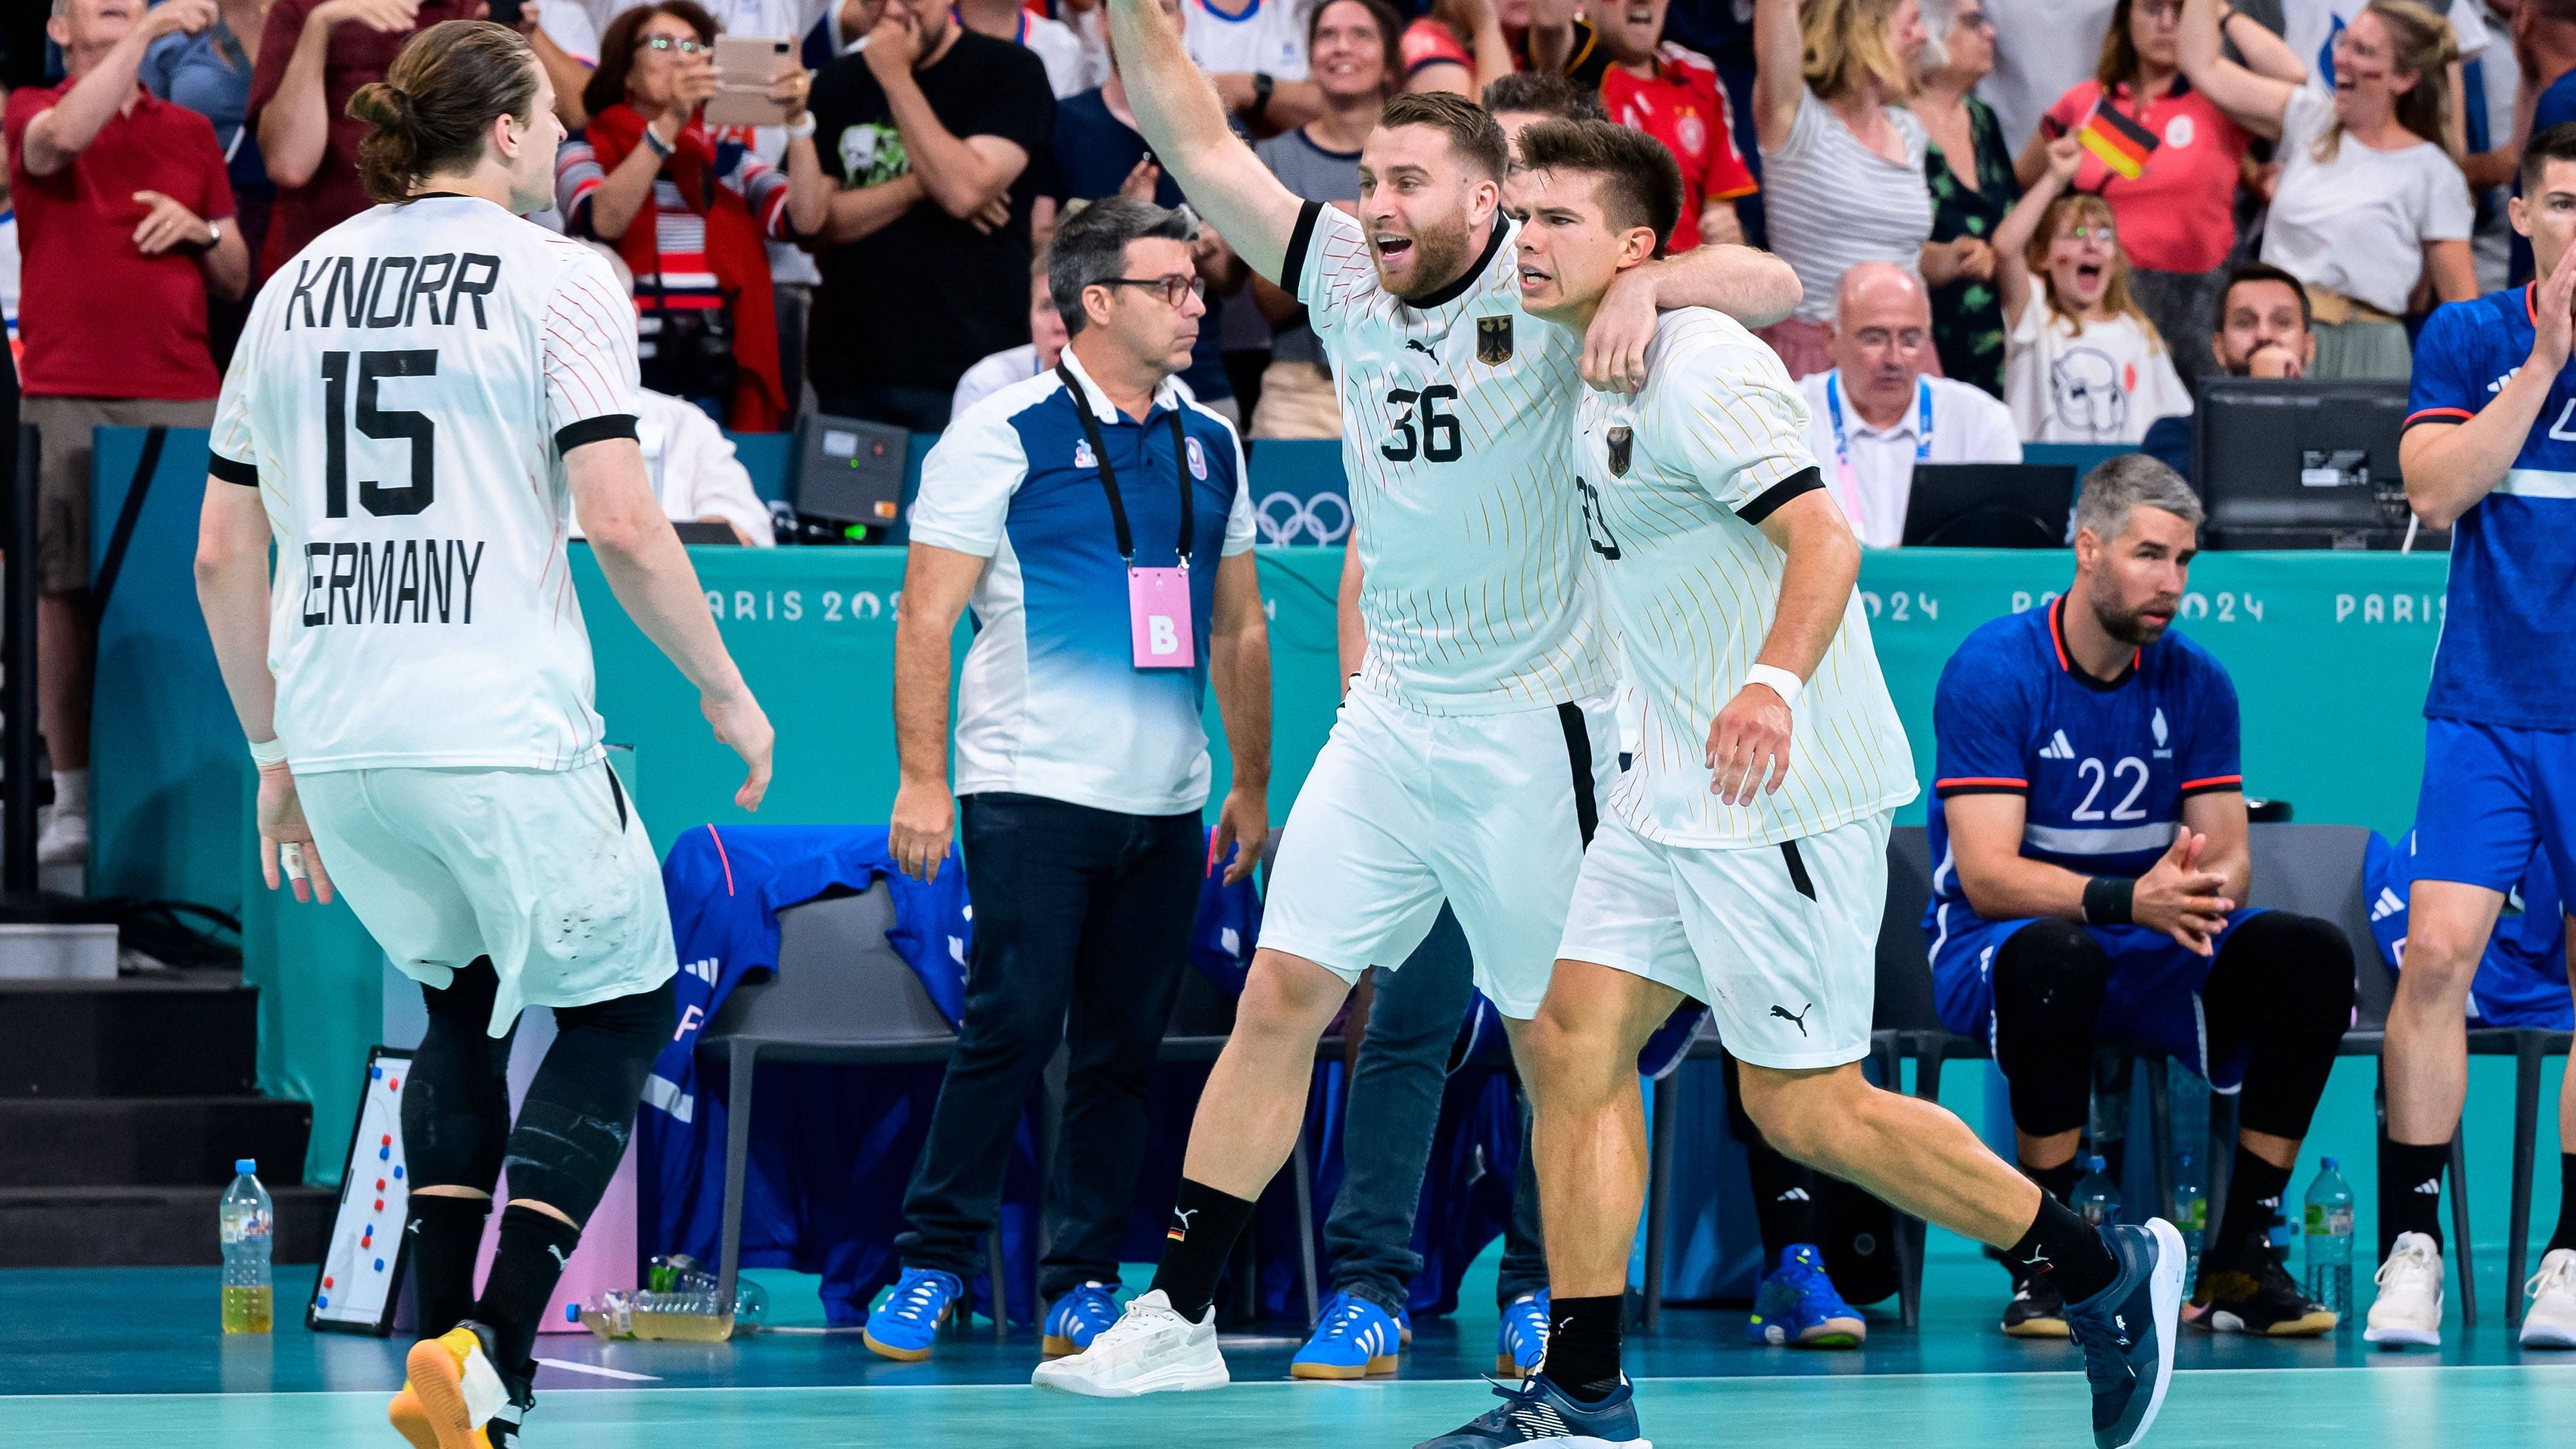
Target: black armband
x,y
2107,900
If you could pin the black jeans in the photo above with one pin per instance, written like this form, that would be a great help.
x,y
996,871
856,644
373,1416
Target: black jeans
x,y
1082,931
1393,1111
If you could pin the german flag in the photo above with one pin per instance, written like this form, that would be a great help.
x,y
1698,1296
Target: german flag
x,y
2117,141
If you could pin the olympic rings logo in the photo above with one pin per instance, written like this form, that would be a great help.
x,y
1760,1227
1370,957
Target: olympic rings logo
x,y
1318,518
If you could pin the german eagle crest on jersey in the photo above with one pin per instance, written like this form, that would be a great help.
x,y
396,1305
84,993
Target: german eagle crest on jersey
x,y
1494,340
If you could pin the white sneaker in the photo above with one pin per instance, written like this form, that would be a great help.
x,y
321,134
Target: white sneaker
x,y
2550,1321
1151,1349
2409,1307
64,840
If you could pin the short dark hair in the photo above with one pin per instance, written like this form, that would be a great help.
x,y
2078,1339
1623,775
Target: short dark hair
x,y
437,99
1471,131
1640,183
607,85
1090,248
1545,93
2558,143
1390,34
2244,272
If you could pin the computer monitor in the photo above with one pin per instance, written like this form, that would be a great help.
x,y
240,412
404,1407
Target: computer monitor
x,y
2300,464
1989,505
850,470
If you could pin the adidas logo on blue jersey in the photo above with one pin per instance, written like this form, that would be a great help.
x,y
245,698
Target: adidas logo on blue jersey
x,y
2057,747
2387,905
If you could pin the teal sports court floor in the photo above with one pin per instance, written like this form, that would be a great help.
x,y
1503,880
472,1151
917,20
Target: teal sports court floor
x,y
131,1358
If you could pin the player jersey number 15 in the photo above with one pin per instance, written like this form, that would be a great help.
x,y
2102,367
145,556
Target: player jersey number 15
x,y
1438,441
384,500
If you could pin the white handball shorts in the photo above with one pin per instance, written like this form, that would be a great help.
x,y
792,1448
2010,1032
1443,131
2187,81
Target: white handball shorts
x,y
1780,940
1405,810
547,872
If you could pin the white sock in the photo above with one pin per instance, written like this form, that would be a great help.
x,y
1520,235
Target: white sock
x,y
71,792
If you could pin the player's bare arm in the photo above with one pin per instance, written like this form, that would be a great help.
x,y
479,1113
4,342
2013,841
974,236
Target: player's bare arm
x,y
649,571
2227,839
1239,668
1748,744
1184,121
232,589
2179,895
1753,287
936,585
2450,466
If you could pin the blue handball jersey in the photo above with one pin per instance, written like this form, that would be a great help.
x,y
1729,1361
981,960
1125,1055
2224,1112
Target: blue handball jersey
x,y
2103,766
2508,651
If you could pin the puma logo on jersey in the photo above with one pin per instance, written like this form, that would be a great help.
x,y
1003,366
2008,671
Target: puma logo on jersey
x,y
1799,1021
2057,747
1418,345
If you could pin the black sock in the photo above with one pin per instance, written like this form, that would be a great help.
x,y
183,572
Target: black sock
x,y
2410,1190
1583,1345
2254,1189
445,1234
1205,1223
2062,1248
2565,1237
2059,1181
1784,1200
534,1248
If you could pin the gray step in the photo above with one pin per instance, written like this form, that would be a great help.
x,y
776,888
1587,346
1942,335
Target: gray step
x,y
149,1227
192,1035
149,1141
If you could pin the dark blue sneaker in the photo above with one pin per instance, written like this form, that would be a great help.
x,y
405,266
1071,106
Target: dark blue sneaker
x,y
1535,1411
906,1321
1797,1305
1074,1320
2127,1331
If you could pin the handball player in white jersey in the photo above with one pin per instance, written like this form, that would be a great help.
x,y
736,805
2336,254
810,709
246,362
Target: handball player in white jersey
x,y
1742,858
419,401
1471,747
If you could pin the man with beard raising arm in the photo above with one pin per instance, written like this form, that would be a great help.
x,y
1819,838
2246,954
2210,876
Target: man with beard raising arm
x,y
1467,760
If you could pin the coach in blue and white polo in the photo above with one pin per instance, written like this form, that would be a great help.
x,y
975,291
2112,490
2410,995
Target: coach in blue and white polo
x,y
1096,521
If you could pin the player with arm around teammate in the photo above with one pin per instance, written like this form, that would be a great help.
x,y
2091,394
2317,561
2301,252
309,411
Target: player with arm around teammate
x,y
415,408
1742,860
1466,762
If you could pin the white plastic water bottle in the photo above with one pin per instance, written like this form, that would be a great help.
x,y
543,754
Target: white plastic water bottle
x,y
2097,1198
2191,1206
247,1221
2329,1236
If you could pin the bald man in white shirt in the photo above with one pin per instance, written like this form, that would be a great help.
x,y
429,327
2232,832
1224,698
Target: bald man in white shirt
x,y
1875,415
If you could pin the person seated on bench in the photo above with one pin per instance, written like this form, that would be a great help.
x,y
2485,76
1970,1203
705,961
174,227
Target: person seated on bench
x,y
2089,835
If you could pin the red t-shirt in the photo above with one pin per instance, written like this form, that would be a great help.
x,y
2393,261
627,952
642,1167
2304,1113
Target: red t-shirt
x,y
1684,106
2179,215
357,55
98,317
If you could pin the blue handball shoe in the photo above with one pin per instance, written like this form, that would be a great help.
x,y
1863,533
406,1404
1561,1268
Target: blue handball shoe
x,y
1797,1306
905,1322
1353,1339
1077,1318
1535,1411
1523,1345
2127,1331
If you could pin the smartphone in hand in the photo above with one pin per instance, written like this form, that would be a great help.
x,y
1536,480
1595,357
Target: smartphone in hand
x,y
745,66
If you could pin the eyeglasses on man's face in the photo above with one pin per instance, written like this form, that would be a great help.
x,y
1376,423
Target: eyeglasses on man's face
x,y
665,44
1174,287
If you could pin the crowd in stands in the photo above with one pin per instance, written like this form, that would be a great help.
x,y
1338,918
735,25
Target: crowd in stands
x,y
2026,205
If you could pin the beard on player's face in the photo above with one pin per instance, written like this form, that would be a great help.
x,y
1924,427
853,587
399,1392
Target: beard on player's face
x,y
2137,625
1430,256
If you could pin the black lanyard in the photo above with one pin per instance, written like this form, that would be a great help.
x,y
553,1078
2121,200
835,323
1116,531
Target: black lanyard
x,y
1109,480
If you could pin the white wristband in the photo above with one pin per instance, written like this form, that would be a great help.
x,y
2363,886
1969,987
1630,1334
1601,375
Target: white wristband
x,y
1780,681
268,752
801,130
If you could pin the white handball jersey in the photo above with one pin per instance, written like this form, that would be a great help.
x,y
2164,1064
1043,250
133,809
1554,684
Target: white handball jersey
x,y
402,398
1455,410
1674,483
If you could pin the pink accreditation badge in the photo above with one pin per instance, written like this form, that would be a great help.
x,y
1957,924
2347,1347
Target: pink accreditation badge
x,y
1158,613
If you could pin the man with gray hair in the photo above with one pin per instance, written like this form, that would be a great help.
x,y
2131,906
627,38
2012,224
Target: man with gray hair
x,y
2089,823
1873,415
1093,494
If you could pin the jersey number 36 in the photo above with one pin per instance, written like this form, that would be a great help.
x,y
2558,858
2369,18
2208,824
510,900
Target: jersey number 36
x,y
385,500
1439,441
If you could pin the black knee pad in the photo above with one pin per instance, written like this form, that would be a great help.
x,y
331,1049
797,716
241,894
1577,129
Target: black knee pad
x,y
2048,980
580,1110
2282,989
456,1098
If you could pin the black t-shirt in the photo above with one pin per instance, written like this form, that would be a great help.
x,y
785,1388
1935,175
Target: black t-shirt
x,y
928,296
